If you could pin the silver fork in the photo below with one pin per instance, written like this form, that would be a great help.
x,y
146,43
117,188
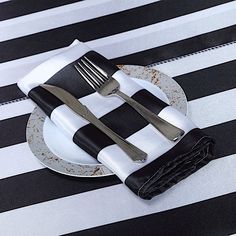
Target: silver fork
x,y
107,85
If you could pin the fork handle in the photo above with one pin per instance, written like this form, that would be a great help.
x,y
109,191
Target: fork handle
x,y
170,131
131,150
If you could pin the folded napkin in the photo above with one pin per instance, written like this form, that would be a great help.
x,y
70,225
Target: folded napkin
x,y
167,162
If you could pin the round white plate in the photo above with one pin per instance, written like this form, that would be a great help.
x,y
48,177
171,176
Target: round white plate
x,y
57,152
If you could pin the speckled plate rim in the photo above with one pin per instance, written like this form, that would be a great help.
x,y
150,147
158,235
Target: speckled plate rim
x,y
171,88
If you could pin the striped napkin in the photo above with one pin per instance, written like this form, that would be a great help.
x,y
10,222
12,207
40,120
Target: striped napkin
x,y
167,162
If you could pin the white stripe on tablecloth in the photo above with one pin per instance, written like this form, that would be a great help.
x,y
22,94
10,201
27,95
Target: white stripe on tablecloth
x,y
58,16
17,159
214,109
15,70
198,61
136,40
46,70
219,111
215,179
16,109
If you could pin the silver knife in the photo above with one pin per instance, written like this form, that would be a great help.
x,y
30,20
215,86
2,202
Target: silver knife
x,y
75,105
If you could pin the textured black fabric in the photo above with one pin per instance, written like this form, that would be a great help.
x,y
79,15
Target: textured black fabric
x,y
192,152
69,79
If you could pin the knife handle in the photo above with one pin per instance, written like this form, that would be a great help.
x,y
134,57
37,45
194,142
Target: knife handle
x,y
131,150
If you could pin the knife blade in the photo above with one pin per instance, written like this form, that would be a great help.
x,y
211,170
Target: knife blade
x,y
76,106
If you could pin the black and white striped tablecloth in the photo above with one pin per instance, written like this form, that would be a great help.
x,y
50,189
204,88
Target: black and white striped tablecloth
x,y
192,41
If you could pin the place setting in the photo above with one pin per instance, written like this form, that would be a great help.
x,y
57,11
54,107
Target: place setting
x,y
95,119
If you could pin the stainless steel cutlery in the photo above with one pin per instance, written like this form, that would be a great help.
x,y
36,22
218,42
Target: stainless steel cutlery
x,y
107,85
75,105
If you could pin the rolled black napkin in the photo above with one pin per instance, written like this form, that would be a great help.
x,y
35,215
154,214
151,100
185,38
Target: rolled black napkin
x,y
167,162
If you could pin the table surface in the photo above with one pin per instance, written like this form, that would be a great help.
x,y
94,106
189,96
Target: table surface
x,y
191,41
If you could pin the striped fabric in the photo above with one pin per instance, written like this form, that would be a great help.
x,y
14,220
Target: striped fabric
x,y
167,162
192,41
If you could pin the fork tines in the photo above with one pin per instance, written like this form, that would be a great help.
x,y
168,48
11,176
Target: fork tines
x,y
91,73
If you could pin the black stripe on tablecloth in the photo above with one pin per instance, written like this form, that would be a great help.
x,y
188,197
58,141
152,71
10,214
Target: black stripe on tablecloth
x,y
180,48
208,81
44,185
12,9
221,133
12,130
212,217
100,27
10,92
